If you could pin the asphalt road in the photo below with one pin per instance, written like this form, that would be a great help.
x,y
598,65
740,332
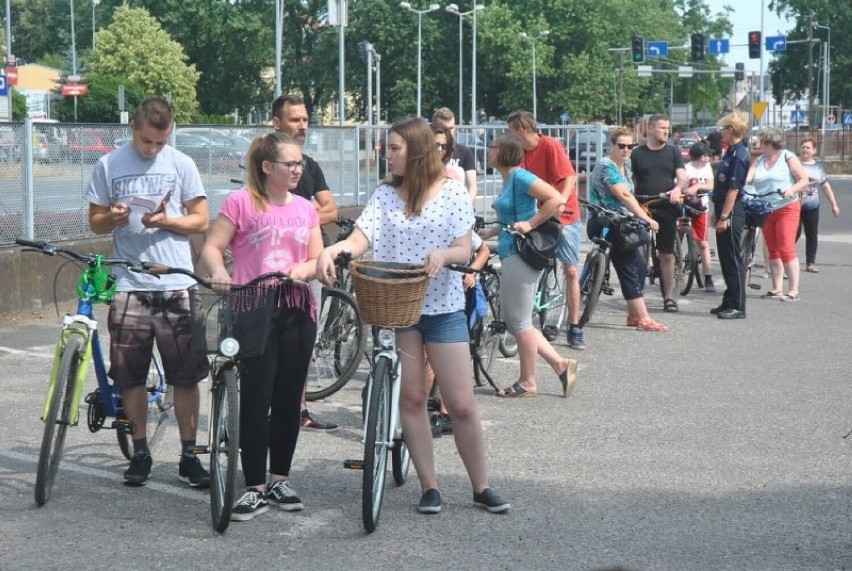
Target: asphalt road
x,y
718,445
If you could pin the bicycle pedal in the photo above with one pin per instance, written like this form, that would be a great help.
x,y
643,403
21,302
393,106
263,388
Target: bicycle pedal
x,y
201,450
353,464
124,425
607,290
497,327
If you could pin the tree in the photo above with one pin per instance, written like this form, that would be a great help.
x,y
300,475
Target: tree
x,y
789,69
100,104
19,106
134,46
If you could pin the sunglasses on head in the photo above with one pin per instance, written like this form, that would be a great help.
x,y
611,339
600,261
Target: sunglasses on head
x,y
623,146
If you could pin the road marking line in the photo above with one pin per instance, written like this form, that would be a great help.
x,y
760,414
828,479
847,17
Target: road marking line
x,y
38,352
103,474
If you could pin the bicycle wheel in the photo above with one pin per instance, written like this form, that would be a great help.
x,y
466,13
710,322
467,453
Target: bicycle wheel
x,y
160,402
649,254
57,419
551,300
376,434
506,342
689,264
224,446
591,283
678,276
339,347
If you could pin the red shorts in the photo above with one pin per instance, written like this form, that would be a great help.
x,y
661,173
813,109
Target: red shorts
x,y
699,226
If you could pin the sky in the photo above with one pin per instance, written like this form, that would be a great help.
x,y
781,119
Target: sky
x,y
746,17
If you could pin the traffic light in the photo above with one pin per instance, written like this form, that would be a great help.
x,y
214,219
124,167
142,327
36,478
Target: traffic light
x,y
637,48
739,72
754,45
697,47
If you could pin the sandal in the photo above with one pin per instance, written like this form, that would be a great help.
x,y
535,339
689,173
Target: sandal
x,y
651,325
812,269
772,295
670,305
516,390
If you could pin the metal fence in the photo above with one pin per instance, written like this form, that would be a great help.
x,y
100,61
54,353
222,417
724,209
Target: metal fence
x,y
45,168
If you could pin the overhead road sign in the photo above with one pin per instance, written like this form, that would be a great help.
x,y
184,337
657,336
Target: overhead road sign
x,y
658,49
684,71
776,43
643,70
797,116
719,46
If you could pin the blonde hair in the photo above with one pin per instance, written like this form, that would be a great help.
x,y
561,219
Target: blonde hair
x,y
738,122
443,115
263,148
618,132
423,166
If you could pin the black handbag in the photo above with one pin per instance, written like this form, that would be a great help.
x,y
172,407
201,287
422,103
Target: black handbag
x,y
537,247
631,235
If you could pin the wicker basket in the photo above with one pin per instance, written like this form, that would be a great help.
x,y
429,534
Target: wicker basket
x,y
389,294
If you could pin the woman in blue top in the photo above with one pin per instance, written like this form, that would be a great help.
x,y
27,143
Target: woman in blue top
x,y
516,206
612,187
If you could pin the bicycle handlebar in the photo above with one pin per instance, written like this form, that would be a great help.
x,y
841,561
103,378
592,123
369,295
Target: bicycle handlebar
x,y
613,215
470,270
51,249
777,191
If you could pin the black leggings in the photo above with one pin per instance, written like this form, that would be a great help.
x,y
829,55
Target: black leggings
x,y
810,223
275,380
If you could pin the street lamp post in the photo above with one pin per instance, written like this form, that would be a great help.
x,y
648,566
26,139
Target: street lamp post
x,y
454,9
534,39
473,117
94,3
432,8
826,77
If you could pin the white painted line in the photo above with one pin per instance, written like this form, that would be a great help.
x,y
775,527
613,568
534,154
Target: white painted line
x,y
198,495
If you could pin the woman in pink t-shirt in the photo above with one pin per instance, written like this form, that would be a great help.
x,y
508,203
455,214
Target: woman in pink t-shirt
x,y
270,229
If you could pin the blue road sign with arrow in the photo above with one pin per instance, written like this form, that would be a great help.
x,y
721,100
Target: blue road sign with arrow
x,y
719,46
847,118
657,49
776,43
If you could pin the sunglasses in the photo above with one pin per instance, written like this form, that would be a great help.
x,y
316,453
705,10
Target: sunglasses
x,y
630,146
441,146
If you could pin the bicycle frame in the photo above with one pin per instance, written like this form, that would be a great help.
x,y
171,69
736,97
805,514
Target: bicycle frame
x,y
385,346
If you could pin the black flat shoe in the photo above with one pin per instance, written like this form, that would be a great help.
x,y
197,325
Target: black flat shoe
x,y
718,310
731,314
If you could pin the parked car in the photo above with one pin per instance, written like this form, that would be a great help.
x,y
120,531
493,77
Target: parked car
x,y
88,145
585,149
47,148
10,145
685,142
237,146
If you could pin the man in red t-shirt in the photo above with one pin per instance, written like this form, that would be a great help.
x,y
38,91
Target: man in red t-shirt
x,y
546,158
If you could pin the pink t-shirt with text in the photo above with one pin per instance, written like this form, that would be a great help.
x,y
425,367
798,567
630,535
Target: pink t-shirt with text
x,y
271,241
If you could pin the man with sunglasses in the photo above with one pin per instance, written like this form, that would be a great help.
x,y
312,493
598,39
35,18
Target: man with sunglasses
x,y
658,167
546,158
290,115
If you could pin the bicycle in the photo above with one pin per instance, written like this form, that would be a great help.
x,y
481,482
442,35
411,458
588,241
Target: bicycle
x,y
756,211
228,326
652,255
79,346
687,256
595,275
340,342
549,302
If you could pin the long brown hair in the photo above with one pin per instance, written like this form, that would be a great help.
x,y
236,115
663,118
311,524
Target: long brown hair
x,y
423,165
263,148
447,152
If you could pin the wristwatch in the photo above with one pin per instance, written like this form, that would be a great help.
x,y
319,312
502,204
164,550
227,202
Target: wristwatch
x,y
725,217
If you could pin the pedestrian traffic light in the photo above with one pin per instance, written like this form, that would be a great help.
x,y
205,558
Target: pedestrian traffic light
x,y
754,45
637,48
697,47
739,72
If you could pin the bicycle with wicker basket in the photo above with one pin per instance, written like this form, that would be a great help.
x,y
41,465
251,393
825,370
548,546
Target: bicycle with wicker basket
x,y
390,295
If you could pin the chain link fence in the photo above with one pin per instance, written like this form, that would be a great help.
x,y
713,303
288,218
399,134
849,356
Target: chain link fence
x,y
45,168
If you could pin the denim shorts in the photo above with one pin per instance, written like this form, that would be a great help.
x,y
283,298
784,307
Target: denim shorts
x,y
442,328
568,250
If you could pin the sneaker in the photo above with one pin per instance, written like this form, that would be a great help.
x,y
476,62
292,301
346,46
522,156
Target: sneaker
x,y
575,338
139,470
492,502
442,423
190,471
251,504
430,502
311,423
282,495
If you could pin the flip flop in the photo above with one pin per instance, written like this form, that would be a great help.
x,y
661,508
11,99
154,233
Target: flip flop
x,y
516,390
568,378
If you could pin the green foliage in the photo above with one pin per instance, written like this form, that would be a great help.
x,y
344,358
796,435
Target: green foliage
x,y
54,60
100,104
135,46
212,119
19,106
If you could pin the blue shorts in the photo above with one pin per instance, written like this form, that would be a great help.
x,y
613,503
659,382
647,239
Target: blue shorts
x,y
442,328
568,250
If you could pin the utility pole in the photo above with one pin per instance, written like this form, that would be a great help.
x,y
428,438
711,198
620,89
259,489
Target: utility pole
x,y
811,69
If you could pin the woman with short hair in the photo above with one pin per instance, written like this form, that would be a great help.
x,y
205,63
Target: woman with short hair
x,y
779,169
818,179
